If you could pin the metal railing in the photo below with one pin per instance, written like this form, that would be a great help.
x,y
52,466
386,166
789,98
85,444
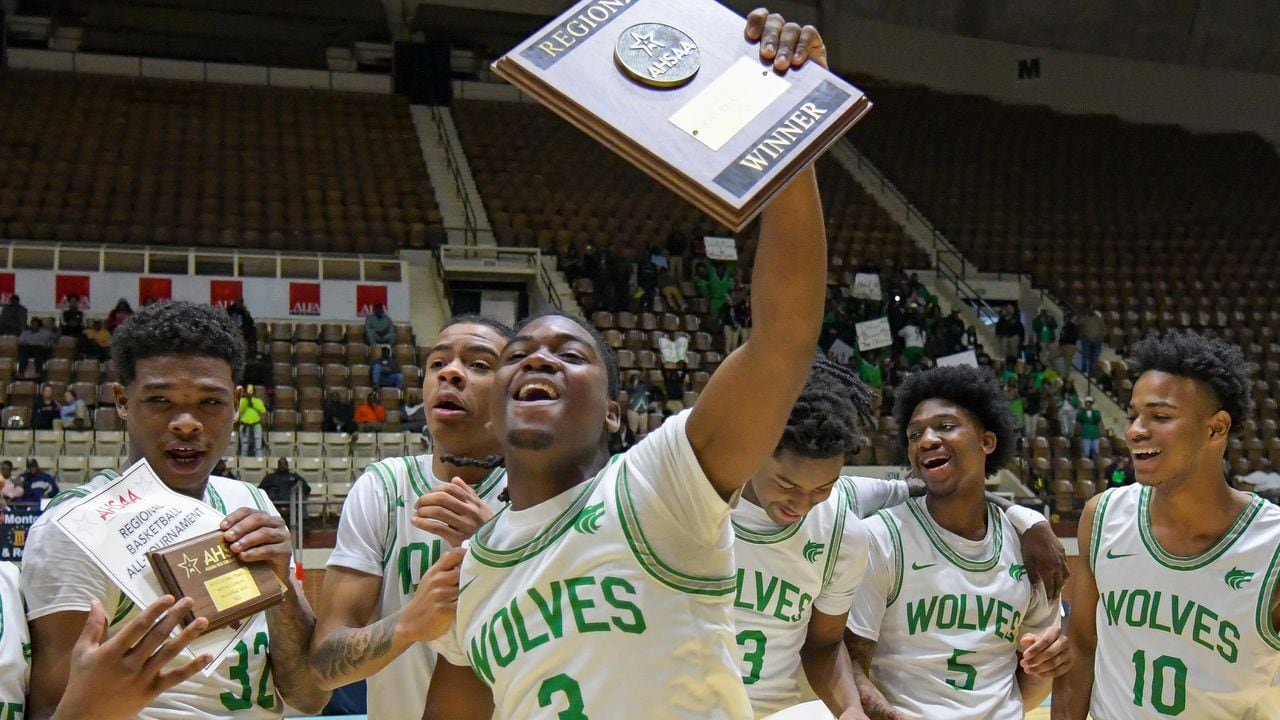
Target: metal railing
x,y
471,225
504,257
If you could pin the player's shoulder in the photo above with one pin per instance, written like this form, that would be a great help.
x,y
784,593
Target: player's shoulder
x,y
400,471
74,496
9,575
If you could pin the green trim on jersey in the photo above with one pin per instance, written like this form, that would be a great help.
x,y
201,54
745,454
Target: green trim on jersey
x,y
391,493
82,490
837,535
491,481
892,525
995,521
1191,562
851,496
215,499
416,479
648,558
124,606
1096,535
494,557
1266,596
767,537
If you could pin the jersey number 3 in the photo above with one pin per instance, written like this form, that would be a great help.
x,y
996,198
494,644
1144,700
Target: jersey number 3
x,y
572,691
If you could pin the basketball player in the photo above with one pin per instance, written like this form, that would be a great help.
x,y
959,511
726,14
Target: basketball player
x,y
945,608
1175,612
129,668
606,588
393,566
801,551
178,364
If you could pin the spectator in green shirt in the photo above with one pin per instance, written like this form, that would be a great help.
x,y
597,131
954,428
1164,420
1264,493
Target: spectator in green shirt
x,y
252,413
1090,422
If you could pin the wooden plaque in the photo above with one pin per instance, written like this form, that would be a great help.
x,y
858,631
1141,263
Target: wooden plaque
x,y
224,588
727,135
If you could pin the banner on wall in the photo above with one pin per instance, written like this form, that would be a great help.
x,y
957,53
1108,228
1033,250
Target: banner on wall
x,y
67,285
223,293
304,298
154,290
369,295
6,287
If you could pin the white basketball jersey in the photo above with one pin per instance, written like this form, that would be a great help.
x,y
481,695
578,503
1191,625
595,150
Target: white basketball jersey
x,y
376,537
15,646
610,601
1187,637
946,613
783,574
57,576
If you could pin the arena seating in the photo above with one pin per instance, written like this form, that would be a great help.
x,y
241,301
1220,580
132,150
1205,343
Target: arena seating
x,y
1155,226
127,160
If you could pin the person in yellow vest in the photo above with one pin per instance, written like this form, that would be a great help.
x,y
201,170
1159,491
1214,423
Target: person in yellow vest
x,y
252,412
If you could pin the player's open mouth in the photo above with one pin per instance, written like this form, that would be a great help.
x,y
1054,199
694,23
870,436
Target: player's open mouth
x,y
1145,454
184,457
448,408
934,462
788,515
537,391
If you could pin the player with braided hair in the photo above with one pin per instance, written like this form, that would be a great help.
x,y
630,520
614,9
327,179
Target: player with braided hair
x,y
801,549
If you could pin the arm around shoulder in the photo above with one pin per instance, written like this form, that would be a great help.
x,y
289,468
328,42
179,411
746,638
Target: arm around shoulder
x,y
1073,690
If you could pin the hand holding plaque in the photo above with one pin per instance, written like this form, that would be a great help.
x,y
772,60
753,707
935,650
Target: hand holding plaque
x,y
224,588
674,88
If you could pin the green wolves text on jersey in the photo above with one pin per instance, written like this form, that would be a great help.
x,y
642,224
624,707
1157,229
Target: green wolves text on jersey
x,y
1186,637
784,573
376,537
946,613
562,602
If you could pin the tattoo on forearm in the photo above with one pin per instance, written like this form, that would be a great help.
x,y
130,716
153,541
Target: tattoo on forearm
x,y
874,705
348,649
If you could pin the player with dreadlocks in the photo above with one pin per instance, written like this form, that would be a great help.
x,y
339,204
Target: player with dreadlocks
x,y
801,550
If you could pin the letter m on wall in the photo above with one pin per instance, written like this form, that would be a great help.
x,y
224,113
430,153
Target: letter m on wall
x,y
1029,69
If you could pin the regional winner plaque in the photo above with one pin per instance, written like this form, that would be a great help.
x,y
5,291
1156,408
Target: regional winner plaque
x,y
674,88
224,588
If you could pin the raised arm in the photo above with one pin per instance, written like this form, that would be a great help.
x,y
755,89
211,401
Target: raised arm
x,y
1073,690
828,667
738,419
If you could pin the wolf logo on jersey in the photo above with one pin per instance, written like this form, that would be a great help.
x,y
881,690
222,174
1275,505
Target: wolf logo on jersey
x,y
1171,644
946,624
376,537
783,574
57,576
611,588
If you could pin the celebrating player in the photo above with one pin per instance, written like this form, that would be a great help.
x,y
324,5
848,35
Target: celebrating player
x,y
392,565
945,607
1175,613
178,364
801,550
607,586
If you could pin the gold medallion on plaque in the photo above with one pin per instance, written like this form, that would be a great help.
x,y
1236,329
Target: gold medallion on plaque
x,y
657,55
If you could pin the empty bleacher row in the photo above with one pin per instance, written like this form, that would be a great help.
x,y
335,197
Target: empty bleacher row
x,y
1155,226
160,162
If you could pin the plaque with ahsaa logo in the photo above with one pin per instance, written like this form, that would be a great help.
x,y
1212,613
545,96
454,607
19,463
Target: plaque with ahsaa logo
x,y
224,588
674,87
